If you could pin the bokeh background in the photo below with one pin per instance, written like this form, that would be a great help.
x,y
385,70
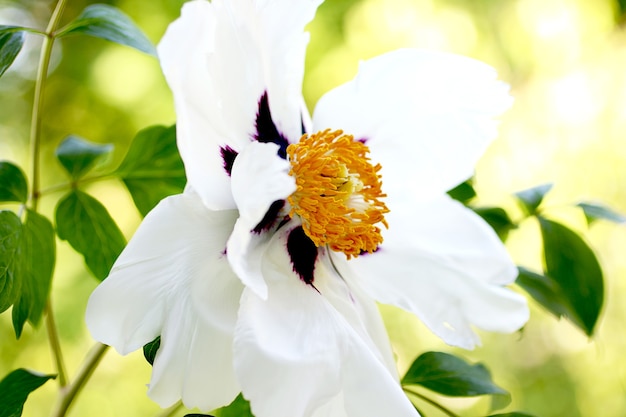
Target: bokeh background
x,y
566,63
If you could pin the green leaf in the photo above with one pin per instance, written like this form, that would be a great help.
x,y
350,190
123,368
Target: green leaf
x,y
150,350
12,183
86,224
573,265
500,401
152,168
498,219
238,408
450,375
108,22
78,155
10,45
38,257
546,292
10,252
531,199
622,6
12,29
15,388
595,212
463,192
513,414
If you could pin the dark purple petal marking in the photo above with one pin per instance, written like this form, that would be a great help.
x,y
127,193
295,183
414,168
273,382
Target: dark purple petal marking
x,y
270,217
283,222
228,158
362,140
303,127
266,131
364,252
303,254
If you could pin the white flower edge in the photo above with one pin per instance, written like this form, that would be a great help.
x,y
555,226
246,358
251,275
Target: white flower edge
x,y
173,280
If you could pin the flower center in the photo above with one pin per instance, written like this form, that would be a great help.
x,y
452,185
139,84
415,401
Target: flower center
x,y
338,195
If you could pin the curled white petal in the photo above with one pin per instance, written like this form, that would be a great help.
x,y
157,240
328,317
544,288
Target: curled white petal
x,y
259,178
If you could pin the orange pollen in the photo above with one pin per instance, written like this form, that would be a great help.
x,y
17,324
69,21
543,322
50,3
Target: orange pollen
x,y
338,195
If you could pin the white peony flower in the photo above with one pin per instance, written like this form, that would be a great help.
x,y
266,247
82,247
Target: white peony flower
x,y
261,277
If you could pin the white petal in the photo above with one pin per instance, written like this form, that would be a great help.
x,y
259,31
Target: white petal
x,y
297,340
368,391
194,362
259,178
357,308
427,116
286,352
219,58
173,280
245,253
283,43
187,53
445,264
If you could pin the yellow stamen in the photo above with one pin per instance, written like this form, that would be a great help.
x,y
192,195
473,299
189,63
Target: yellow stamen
x,y
338,195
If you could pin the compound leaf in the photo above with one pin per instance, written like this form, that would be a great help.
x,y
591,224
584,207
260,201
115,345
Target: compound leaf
x,y
87,225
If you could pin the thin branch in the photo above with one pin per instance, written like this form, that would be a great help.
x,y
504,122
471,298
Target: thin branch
x,y
55,344
89,365
40,86
35,139
68,185
35,145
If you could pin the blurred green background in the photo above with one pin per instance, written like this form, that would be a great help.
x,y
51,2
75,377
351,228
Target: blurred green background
x,y
566,63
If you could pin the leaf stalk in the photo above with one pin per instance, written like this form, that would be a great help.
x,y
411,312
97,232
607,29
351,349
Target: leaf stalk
x,y
430,401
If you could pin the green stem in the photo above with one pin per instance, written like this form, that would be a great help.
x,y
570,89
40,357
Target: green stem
x,y
69,185
429,401
40,86
35,144
55,344
69,393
